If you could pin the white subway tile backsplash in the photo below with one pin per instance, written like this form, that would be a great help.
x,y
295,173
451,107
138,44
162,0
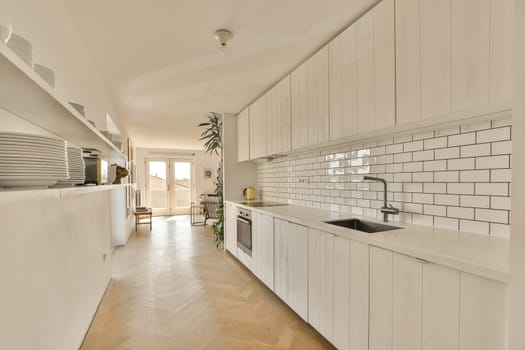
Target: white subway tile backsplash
x,y
475,150
439,142
492,135
447,153
457,177
490,215
462,139
461,164
494,162
492,189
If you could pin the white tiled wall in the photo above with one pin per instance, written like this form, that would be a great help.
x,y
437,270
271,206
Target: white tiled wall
x,y
456,177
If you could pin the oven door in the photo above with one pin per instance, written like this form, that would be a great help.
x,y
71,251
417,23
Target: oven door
x,y
244,235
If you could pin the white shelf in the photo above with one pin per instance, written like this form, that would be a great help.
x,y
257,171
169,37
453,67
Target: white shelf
x,y
25,94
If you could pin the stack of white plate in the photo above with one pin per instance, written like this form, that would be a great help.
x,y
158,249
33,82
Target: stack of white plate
x,y
28,160
76,167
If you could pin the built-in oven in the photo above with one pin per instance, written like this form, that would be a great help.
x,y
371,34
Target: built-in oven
x,y
244,230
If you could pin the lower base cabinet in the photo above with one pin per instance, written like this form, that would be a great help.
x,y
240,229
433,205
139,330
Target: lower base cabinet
x,y
291,265
262,247
338,271
230,228
419,305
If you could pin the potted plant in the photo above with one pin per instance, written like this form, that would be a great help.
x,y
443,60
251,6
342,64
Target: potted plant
x,y
212,137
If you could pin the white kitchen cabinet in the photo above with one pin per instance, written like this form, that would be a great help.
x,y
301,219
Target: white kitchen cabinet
x,y
321,282
343,84
483,314
262,247
279,118
350,290
365,72
384,66
243,135
501,50
470,53
291,265
258,127
440,328
408,67
407,294
230,228
375,49
435,33
310,102
381,300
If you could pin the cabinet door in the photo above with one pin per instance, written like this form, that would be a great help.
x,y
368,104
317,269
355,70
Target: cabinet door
x,y
365,72
381,301
299,107
317,90
483,314
342,292
243,136
501,50
470,53
343,84
440,329
407,302
279,119
321,282
258,125
408,71
263,248
230,228
384,65
310,106
280,258
298,270
359,295
435,27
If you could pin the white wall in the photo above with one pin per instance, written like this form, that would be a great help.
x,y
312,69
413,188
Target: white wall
x,y
56,44
236,175
202,161
517,248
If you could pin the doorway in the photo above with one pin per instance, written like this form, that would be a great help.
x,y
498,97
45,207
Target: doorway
x,y
170,185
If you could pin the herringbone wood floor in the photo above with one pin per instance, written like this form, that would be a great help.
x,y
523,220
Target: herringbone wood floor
x,y
172,289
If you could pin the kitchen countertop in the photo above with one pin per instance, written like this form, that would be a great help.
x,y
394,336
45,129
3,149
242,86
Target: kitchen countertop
x,y
481,255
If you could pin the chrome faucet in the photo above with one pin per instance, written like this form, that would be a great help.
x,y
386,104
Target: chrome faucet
x,y
385,209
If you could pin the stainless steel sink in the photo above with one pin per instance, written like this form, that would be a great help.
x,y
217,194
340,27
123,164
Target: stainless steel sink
x,y
364,226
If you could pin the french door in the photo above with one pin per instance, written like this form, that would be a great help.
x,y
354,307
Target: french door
x,y
170,185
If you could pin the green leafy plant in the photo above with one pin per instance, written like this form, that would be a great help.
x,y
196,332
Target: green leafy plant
x,y
212,137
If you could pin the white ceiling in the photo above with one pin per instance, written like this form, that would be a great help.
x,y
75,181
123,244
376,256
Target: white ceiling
x,y
165,71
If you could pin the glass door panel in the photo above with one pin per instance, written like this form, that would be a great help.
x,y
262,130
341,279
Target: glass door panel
x,y
183,185
158,186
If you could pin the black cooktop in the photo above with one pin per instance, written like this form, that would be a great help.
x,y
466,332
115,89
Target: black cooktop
x,y
256,204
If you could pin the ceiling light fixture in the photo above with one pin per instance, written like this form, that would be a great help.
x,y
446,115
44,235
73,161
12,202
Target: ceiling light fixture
x,y
223,36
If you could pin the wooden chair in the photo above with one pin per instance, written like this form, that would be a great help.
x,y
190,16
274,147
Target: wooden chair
x,y
210,210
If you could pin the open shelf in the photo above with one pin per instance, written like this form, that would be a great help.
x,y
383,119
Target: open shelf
x,y
25,94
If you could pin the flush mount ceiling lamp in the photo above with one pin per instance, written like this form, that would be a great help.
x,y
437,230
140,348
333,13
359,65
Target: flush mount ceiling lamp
x,y
223,36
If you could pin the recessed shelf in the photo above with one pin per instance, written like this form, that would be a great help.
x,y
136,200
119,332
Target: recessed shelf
x,y
25,94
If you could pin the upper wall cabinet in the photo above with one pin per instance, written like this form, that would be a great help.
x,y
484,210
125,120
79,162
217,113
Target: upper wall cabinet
x,y
452,56
258,128
310,106
362,74
279,118
243,135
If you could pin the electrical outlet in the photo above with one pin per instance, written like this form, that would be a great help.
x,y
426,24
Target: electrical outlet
x,y
304,180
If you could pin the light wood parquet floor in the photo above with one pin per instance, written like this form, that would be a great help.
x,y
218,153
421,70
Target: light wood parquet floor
x,y
172,289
